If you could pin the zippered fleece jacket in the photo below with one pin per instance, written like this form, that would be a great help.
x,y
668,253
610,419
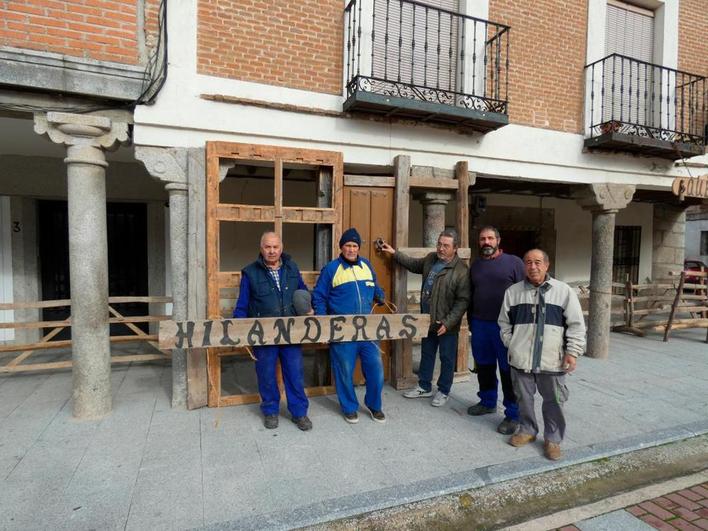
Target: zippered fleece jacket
x,y
540,324
346,288
450,295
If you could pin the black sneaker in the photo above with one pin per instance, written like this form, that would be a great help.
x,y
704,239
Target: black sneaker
x,y
270,421
479,409
378,416
351,418
508,426
303,423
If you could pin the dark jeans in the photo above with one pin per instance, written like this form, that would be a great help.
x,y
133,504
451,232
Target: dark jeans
x,y
448,353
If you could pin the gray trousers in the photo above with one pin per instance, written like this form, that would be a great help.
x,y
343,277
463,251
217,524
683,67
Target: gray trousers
x,y
554,392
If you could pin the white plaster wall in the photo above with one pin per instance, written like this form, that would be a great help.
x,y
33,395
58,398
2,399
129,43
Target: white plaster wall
x,y
693,239
45,177
6,268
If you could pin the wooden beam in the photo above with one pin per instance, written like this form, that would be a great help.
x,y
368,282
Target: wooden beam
x,y
402,355
378,181
68,364
278,197
67,343
433,183
67,302
463,210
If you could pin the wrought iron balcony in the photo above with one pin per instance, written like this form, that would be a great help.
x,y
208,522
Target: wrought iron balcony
x,y
645,108
414,61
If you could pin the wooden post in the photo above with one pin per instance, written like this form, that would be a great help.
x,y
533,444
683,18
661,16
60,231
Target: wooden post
x,y
402,370
677,299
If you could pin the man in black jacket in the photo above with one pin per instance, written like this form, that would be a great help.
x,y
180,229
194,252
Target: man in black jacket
x,y
267,288
444,295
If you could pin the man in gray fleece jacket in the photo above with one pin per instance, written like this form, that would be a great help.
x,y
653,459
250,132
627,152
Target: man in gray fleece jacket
x,y
542,325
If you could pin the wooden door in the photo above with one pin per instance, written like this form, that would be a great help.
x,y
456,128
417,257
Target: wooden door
x,y
370,211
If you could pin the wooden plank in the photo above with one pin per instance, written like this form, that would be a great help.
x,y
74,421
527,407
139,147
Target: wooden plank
x,y
278,197
325,190
337,198
402,360
254,398
197,389
292,330
66,323
27,353
67,364
212,226
252,213
309,215
67,343
679,291
67,302
463,217
137,331
433,183
232,279
419,252
378,181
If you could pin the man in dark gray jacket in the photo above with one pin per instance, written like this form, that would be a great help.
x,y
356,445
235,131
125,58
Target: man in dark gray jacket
x,y
445,295
542,325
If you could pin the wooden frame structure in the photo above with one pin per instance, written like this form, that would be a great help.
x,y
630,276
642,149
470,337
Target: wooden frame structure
x,y
220,157
404,182
27,349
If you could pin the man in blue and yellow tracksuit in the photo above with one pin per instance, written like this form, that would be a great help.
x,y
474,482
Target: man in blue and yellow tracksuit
x,y
348,286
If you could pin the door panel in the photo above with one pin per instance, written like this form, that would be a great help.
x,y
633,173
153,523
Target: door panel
x,y
370,211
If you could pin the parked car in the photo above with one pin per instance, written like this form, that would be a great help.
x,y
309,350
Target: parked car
x,y
693,265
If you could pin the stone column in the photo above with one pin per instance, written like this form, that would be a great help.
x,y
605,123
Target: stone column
x,y
603,200
434,204
168,165
87,137
669,240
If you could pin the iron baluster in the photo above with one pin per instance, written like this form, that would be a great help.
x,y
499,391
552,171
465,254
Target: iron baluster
x,y
450,57
437,84
413,7
621,89
388,3
425,49
592,97
474,57
400,37
358,43
373,36
461,76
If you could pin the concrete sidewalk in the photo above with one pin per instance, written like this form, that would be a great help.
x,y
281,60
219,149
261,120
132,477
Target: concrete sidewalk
x,y
149,467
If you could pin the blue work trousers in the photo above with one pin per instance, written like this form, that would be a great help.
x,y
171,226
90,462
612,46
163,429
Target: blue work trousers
x,y
343,357
488,352
290,357
447,343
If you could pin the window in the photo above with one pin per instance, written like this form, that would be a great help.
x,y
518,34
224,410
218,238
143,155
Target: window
x,y
625,263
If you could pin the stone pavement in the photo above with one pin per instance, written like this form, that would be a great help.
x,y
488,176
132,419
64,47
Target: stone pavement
x,y
147,466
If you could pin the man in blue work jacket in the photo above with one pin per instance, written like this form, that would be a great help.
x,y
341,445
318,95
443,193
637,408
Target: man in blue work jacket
x,y
348,286
267,287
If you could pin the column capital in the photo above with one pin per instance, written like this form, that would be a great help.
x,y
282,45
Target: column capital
x,y
606,197
434,198
167,165
81,129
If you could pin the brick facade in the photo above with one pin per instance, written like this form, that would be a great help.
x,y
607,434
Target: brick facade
x,y
289,44
104,30
546,78
693,44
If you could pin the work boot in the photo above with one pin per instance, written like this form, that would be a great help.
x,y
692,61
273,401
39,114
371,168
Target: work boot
x,y
418,392
479,409
508,426
439,399
521,439
378,416
552,450
351,418
270,421
303,423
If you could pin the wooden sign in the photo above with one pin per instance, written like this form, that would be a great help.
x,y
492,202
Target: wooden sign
x,y
691,187
254,332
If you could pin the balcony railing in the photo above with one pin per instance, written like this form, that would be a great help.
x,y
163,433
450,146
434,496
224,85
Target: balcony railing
x,y
413,60
643,107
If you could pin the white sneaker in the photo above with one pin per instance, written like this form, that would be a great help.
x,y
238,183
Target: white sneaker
x,y
439,399
418,392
